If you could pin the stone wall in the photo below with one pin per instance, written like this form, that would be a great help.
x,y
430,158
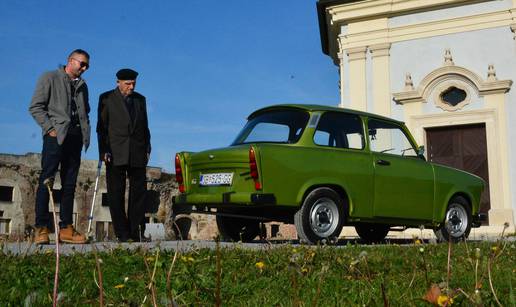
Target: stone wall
x,y
22,172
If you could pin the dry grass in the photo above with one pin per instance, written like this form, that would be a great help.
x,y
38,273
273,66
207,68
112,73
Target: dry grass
x,y
417,274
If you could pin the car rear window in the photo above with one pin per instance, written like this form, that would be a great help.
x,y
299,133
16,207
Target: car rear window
x,y
280,126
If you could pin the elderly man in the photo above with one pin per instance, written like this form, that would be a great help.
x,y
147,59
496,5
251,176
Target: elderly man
x,y
124,145
60,107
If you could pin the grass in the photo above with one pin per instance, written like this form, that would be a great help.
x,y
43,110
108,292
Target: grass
x,y
481,274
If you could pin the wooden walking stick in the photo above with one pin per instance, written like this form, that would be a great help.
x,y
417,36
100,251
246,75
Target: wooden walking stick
x,y
49,182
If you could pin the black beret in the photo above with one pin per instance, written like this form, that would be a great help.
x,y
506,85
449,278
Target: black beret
x,y
126,74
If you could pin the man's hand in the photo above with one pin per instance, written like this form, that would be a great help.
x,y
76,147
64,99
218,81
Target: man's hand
x,y
52,133
107,157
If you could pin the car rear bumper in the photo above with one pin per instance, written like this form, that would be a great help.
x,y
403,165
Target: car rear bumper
x,y
225,198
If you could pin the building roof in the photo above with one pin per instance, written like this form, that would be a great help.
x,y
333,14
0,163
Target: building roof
x,y
323,26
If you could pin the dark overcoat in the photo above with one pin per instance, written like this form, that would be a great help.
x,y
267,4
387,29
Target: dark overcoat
x,y
127,141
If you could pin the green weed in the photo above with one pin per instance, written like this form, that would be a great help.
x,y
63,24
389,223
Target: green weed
x,y
476,274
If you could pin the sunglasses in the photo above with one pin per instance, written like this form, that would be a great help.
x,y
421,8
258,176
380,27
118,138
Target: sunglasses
x,y
82,64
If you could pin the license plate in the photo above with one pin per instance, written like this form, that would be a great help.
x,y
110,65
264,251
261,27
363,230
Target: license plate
x,y
216,179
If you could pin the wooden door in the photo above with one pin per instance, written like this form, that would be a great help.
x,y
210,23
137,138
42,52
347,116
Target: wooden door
x,y
463,147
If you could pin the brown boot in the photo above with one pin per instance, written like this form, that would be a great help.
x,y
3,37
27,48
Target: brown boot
x,y
70,235
41,235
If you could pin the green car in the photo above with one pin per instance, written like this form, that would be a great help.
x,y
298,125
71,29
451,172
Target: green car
x,y
322,168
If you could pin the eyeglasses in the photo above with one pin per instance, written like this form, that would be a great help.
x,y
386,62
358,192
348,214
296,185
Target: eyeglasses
x,y
82,64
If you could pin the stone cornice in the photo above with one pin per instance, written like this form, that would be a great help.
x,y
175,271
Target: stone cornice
x,y
345,13
428,29
357,12
448,119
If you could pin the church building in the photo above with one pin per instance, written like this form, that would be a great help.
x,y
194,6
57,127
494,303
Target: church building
x,y
445,68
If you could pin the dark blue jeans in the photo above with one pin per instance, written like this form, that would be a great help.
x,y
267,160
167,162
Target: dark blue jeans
x,y
68,157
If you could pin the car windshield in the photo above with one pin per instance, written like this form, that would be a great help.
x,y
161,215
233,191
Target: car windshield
x,y
280,126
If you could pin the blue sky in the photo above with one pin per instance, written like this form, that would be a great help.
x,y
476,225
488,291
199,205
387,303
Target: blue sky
x,y
204,64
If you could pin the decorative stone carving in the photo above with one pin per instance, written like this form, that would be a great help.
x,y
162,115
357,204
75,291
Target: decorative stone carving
x,y
409,85
448,60
447,74
491,73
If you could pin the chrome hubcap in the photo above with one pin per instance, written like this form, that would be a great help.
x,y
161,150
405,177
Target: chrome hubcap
x,y
456,220
324,217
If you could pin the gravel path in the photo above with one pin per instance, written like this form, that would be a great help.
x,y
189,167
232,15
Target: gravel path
x,y
26,248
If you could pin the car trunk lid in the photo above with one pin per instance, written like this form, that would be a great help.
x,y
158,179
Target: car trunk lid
x,y
220,170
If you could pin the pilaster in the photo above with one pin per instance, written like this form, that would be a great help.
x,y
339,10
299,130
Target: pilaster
x,y
381,79
499,166
357,80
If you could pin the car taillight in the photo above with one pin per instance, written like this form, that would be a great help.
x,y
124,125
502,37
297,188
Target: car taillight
x,y
254,169
179,175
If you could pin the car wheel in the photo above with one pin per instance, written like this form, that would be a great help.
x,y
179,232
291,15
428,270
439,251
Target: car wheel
x,y
321,217
372,233
237,229
457,221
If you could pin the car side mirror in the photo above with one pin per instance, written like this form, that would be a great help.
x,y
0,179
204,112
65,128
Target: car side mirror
x,y
372,133
421,152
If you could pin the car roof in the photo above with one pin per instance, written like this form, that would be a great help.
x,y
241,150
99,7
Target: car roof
x,y
316,107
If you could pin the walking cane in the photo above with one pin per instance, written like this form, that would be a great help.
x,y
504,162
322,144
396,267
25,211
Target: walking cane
x,y
49,182
90,217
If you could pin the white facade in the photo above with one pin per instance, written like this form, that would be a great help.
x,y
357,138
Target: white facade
x,y
399,59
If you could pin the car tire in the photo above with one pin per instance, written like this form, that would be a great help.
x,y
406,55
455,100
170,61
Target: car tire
x,y
457,221
321,217
372,233
237,229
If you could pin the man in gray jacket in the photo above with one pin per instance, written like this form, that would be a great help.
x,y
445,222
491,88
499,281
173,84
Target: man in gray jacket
x,y
60,107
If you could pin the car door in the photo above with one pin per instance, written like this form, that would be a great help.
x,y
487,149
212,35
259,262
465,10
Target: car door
x,y
403,182
345,159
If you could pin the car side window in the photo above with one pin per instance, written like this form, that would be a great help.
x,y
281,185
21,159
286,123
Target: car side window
x,y
339,130
385,137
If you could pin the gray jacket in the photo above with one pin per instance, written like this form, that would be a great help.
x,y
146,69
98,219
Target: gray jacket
x,y
51,105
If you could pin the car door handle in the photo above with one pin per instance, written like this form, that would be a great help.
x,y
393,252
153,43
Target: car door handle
x,y
383,162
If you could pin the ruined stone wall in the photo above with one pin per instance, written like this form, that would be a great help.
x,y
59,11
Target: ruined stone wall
x,y
22,173
23,179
